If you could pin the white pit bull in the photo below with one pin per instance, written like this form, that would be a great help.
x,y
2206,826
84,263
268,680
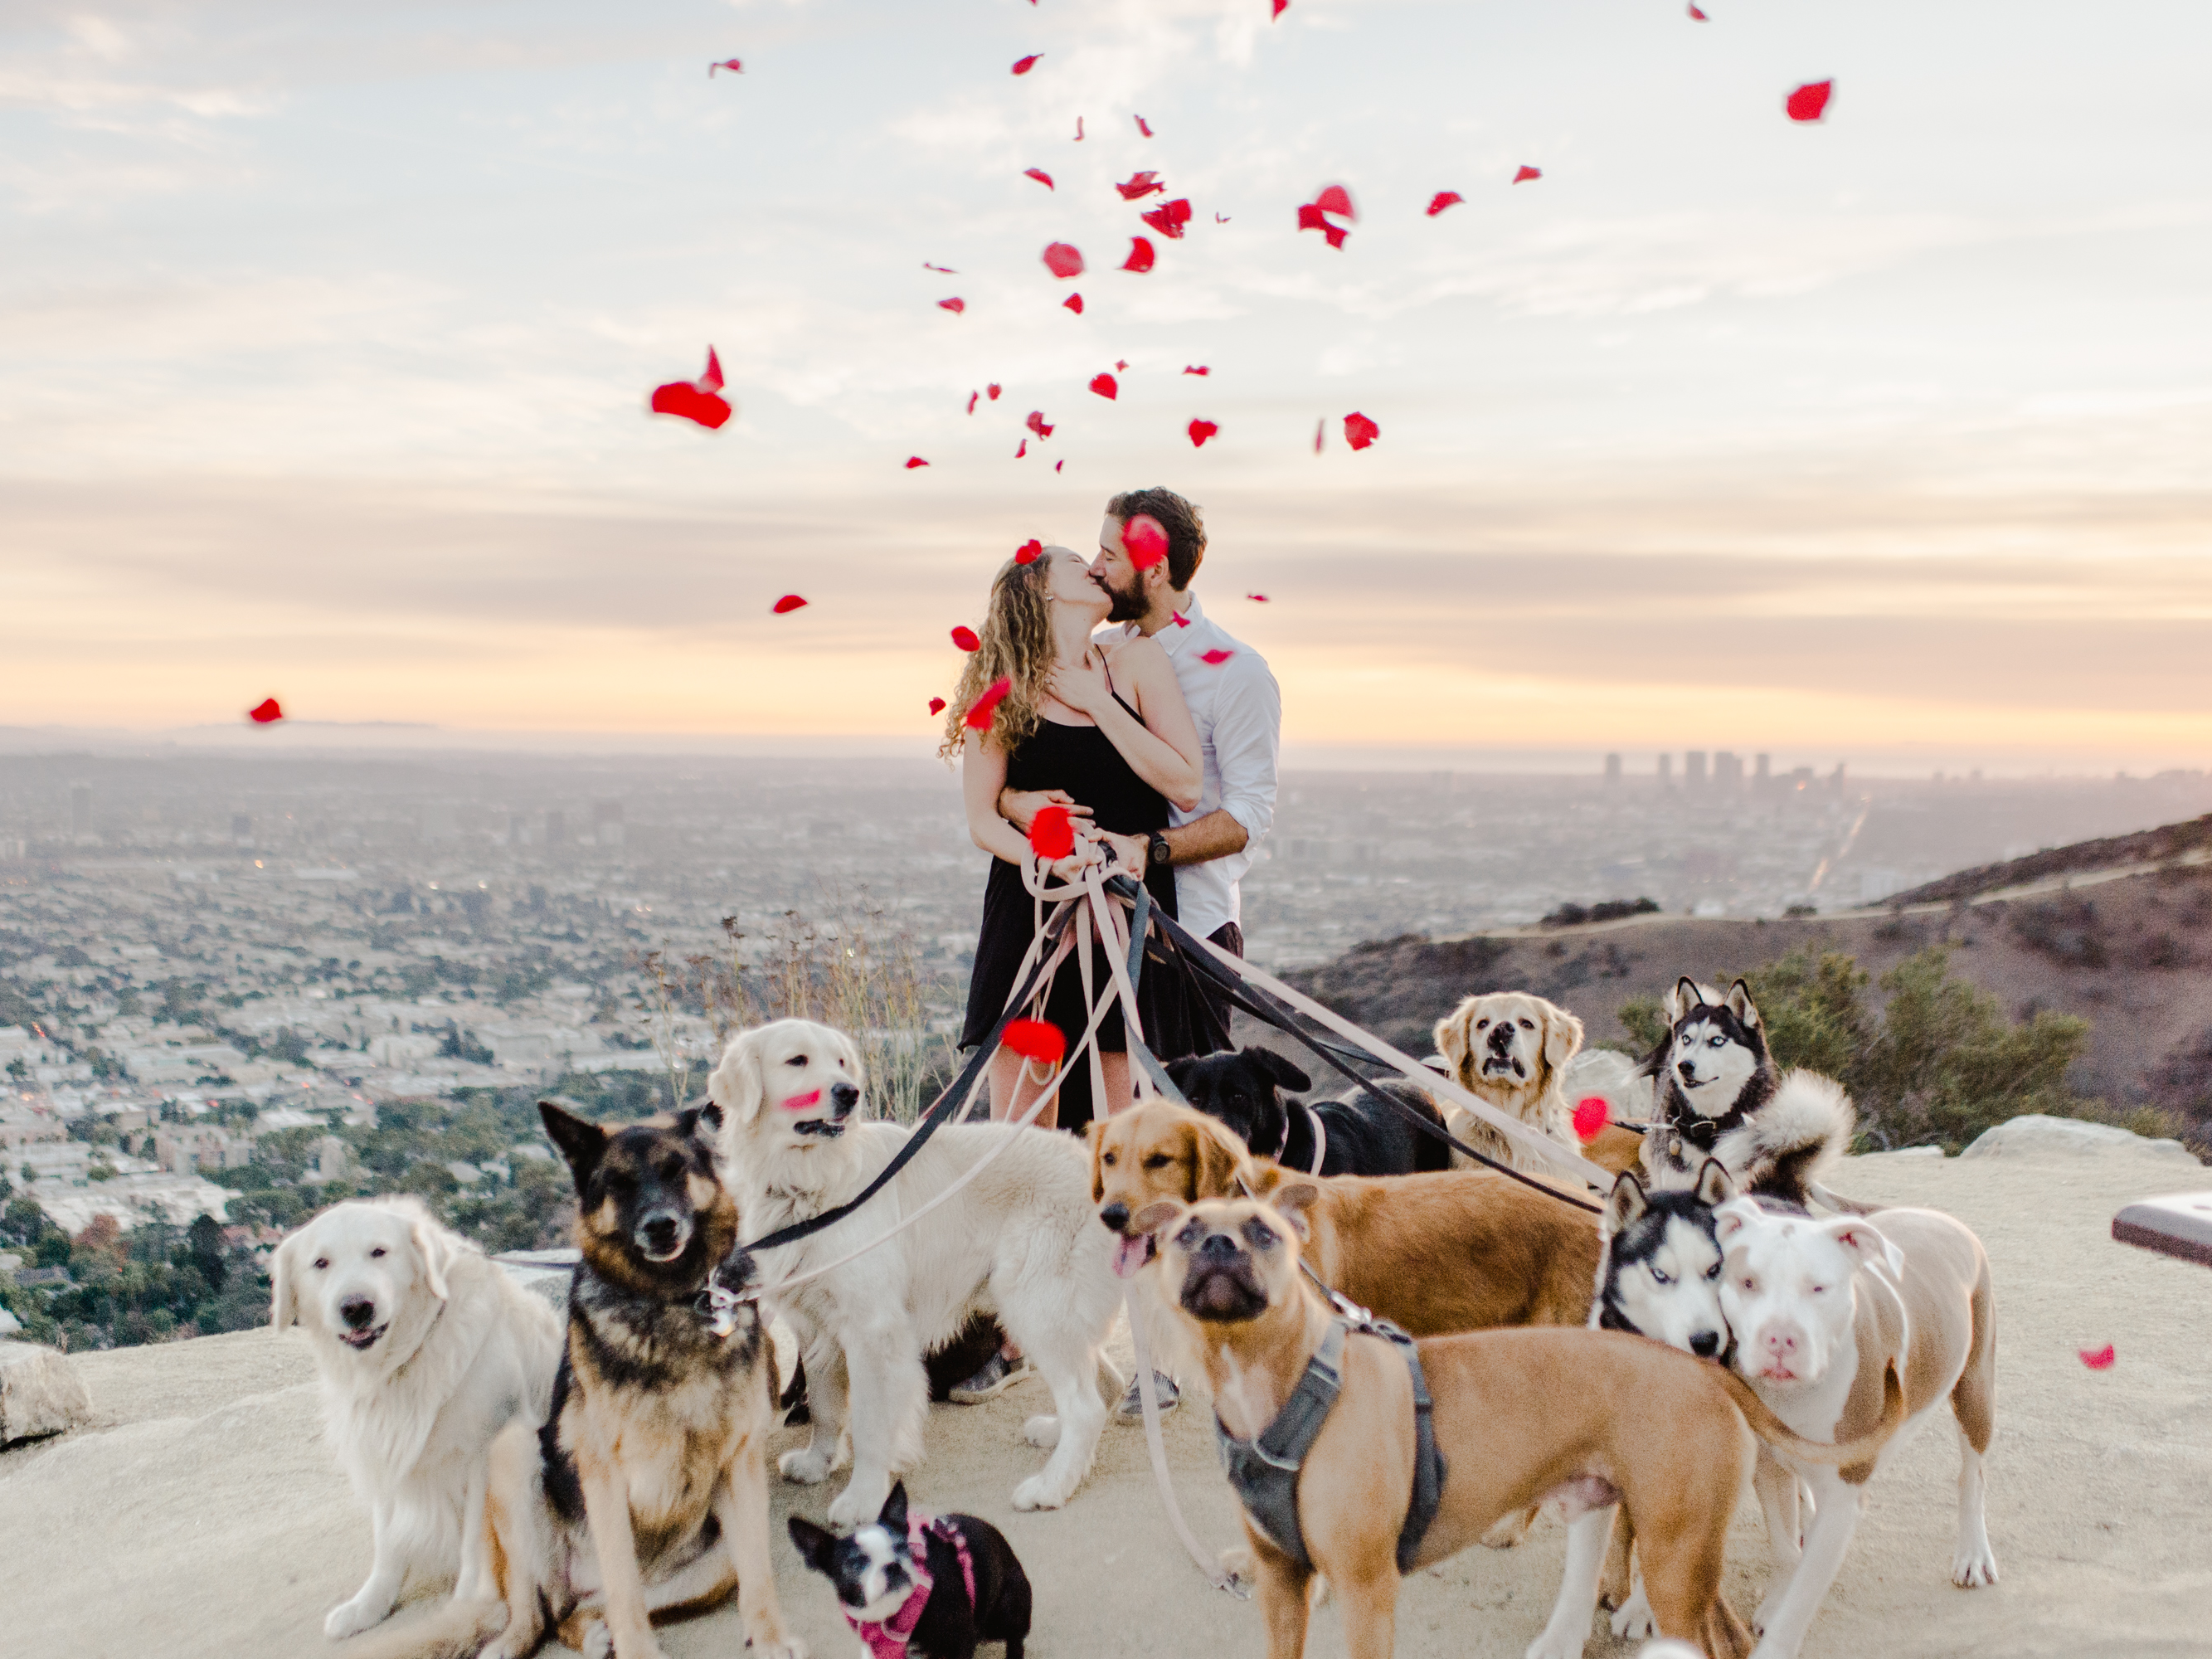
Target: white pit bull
x,y
1821,1311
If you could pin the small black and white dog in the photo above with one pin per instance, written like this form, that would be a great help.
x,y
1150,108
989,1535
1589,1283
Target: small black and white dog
x,y
965,1586
1354,1135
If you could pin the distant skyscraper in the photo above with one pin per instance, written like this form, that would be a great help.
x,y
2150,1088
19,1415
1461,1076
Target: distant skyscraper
x,y
80,809
1693,768
1728,769
1761,769
1666,771
607,822
1836,781
1613,768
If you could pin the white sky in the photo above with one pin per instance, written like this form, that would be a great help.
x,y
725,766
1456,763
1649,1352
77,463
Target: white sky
x,y
325,333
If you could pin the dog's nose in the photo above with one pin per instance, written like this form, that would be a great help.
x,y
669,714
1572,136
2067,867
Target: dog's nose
x,y
1115,1215
357,1312
1501,1037
1218,1245
659,1232
1779,1343
1705,1344
1689,1072
843,1096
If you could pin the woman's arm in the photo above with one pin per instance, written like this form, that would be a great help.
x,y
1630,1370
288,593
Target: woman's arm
x,y
1163,747
982,775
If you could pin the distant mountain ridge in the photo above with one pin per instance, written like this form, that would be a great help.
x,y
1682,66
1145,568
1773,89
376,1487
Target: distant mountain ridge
x,y
2144,847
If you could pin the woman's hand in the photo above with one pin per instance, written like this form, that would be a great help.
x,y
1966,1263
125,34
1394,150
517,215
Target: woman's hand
x,y
1020,807
1084,689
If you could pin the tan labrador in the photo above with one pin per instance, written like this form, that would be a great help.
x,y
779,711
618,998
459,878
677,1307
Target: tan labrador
x,y
1511,1049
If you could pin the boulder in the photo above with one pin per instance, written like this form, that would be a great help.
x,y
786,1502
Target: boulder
x,y
2035,1133
40,1394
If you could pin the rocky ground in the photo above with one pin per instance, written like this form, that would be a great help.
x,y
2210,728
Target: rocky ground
x,y
201,1514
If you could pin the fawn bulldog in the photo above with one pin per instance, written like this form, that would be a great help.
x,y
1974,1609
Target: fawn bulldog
x,y
1360,1453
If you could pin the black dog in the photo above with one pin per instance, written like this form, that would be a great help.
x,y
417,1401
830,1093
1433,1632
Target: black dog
x,y
969,1587
1355,1135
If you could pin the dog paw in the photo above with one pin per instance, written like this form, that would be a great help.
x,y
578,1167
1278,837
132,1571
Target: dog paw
x,y
352,1617
860,1501
1767,1609
808,1466
1974,1566
1042,1432
1632,1620
599,1641
1037,1493
1511,1531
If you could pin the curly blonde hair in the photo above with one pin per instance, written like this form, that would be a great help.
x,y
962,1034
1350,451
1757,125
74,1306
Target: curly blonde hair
x,y
1016,644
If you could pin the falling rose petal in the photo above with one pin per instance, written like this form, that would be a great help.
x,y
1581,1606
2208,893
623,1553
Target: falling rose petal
x,y
1359,431
1216,657
1257,598
1106,386
729,64
1335,198
945,270
1310,217
2101,1360
1181,621
1079,119
1590,1117
964,637
1146,541
1696,17
937,705
1056,466
1522,176
913,461
1200,431
1168,218
1321,431
1023,451
267,712
1121,365
1196,369
1039,175
1052,833
1142,128
711,380
972,397
1024,65
955,305
1037,1039
980,711
1029,551
1138,186
991,391
1063,260
1141,256
1220,218
1810,101
686,402
1281,6
786,605
1073,302
1442,199
1037,424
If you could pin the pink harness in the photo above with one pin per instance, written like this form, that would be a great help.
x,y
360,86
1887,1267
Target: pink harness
x,y
888,1640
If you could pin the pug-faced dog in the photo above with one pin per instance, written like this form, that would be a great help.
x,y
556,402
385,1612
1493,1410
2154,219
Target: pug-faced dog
x,y
1355,1134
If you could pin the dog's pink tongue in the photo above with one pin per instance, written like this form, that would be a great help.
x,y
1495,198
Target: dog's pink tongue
x,y
1129,1257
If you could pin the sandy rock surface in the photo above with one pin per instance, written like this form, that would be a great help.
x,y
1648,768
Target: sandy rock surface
x,y
202,1515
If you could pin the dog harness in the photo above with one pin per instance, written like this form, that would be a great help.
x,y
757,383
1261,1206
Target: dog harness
x,y
887,1638
1264,1471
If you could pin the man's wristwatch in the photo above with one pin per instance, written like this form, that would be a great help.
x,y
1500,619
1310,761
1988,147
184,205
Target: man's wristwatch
x,y
1161,852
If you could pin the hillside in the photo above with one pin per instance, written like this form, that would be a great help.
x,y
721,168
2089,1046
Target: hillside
x,y
2132,955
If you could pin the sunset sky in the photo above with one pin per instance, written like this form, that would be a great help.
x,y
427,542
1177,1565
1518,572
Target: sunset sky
x,y
326,333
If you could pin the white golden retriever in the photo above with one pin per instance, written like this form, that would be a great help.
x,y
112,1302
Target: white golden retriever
x,y
427,1349
1512,1050
1019,1241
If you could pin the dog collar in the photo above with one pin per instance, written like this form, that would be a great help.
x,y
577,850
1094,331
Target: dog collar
x,y
1320,1137
887,1638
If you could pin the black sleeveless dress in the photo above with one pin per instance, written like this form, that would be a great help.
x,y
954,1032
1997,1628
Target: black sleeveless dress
x,y
1083,761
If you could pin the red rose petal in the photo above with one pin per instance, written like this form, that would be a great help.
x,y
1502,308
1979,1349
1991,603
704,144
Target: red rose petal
x,y
1259,599
991,391
1335,198
1200,431
1037,424
946,270
729,64
1023,450
1181,621
913,461
1310,217
1142,128
1138,186
711,379
686,401
1073,302
937,705
1031,549
1121,365
1220,218
1591,1115
267,712
2101,1360
1196,369
1024,65
786,605
1696,15
1039,175
1079,119
964,637
972,397
1321,430
1216,657
1144,540
1523,175
1037,1039
1052,833
1056,466
1281,6
1063,260
1170,217
1105,386
956,304
1442,199
1359,431
979,712
1810,101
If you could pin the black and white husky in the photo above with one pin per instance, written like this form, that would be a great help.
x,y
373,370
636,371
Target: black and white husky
x,y
1717,1093
1661,1270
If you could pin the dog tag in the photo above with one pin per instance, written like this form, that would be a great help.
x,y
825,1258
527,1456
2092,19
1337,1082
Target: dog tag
x,y
719,1308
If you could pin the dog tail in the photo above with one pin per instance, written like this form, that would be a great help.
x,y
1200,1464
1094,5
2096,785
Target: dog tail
x,y
1779,1435
1785,1147
455,1630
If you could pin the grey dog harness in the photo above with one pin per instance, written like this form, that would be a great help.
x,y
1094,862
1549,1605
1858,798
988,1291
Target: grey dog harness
x,y
1264,1471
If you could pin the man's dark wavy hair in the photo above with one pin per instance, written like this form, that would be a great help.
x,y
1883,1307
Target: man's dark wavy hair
x,y
1179,517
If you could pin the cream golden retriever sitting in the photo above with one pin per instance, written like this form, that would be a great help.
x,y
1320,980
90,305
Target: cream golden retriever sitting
x,y
1511,1049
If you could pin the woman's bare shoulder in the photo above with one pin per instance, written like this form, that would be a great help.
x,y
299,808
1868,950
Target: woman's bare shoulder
x,y
1134,651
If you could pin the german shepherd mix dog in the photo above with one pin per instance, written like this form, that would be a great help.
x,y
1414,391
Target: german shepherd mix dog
x,y
645,1492
1354,1135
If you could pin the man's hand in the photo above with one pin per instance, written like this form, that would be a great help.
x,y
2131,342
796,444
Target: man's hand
x,y
1020,807
1130,853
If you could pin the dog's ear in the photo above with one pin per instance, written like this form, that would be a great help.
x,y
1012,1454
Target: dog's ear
x,y
711,1116
686,1122
1179,1071
582,1144
1865,1242
1563,1037
1686,994
283,1282
1271,1123
1625,1205
815,1544
1292,1200
1094,1136
1285,1074
1741,1005
437,1250
1715,1186
893,1513
1732,1218
1215,1159
1159,1214
1451,1036
736,1084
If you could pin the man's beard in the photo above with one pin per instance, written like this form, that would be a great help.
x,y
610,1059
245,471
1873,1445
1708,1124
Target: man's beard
x,y
1127,607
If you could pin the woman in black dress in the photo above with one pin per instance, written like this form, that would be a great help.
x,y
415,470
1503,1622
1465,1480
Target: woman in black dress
x,y
1107,724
